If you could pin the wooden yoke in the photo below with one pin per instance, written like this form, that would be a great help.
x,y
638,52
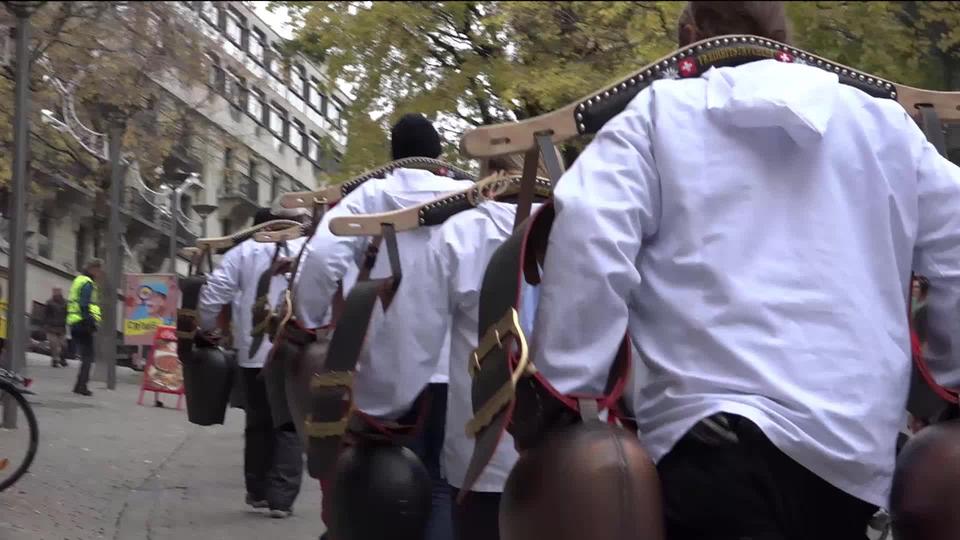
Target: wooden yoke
x,y
587,115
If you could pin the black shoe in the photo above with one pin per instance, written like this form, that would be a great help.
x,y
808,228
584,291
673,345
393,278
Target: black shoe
x,y
82,392
64,363
54,364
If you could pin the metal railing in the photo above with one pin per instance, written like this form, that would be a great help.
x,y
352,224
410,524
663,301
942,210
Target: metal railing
x,y
237,184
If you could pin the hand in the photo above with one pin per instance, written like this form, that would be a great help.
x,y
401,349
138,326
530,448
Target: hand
x,y
208,338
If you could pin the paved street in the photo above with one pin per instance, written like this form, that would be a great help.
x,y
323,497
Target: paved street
x,y
108,468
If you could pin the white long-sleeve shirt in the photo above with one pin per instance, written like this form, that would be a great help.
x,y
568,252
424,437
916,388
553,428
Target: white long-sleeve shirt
x,y
329,257
234,282
438,300
755,230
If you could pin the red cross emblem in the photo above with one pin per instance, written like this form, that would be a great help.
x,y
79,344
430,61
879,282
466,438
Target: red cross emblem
x,y
785,57
687,67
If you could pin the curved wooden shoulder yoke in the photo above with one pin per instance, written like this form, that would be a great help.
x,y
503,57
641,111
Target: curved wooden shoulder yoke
x,y
227,242
436,211
332,194
587,115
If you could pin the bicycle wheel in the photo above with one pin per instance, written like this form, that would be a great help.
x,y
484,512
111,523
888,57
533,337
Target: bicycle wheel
x,y
17,449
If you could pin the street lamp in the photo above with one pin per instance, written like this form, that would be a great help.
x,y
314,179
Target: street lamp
x,y
192,179
17,284
204,210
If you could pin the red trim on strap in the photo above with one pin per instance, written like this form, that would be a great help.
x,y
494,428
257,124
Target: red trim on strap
x,y
916,350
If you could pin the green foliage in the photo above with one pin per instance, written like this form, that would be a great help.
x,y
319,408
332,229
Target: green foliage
x,y
473,63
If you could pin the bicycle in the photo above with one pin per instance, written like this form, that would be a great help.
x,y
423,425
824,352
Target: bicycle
x,y
17,387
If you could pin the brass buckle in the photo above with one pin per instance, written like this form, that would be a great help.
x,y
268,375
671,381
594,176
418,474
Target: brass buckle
x,y
332,379
507,326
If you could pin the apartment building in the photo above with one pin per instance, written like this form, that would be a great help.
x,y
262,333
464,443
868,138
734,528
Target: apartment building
x,y
263,125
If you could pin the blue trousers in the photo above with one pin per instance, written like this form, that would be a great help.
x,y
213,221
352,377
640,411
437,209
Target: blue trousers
x,y
428,446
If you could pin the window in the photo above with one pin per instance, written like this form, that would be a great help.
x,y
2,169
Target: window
x,y
234,27
210,13
233,88
253,170
45,241
277,117
315,97
228,158
298,79
296,136
255,47
313,148
215,75
276,64
333,112
225,226
255,105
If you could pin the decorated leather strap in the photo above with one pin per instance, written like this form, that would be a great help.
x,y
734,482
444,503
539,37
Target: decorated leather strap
x,y
927,399
262,310
508,392
331,390
188,319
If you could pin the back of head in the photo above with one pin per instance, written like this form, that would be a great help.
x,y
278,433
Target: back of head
x,y
585,481
703,20
414,136
263,215
93,265
926,485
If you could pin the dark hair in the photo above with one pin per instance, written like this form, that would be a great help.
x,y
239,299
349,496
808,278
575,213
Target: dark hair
x,y
263,215
712,19
414,136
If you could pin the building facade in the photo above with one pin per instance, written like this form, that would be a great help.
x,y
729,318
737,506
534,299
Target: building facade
x,y
263,125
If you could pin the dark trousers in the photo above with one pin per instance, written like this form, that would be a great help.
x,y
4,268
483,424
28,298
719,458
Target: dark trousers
x,y
83,340
735,484
478,517
428,446
273,455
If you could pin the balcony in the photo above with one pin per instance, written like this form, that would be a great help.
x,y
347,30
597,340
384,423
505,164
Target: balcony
x,y
239,196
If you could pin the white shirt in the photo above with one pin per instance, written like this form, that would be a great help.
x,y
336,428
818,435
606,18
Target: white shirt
x,y
234,282
329,257
439,299
755,230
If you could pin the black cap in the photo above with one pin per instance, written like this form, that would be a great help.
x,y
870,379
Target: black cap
x,y
414,136
263,215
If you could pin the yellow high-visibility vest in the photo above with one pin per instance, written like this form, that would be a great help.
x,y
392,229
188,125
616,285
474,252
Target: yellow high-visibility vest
x,y
73,301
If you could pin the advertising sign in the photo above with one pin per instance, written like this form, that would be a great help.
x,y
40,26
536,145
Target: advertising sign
x,y
150,301
163,372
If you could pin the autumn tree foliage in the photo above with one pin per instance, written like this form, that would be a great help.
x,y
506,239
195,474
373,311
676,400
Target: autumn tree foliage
x,y
473,63
114,52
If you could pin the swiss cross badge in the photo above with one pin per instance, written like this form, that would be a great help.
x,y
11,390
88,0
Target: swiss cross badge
x,y
687,67
785,57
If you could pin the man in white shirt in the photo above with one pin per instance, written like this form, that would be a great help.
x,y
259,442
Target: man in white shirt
x,y
438,300
754,231
272,460
329,257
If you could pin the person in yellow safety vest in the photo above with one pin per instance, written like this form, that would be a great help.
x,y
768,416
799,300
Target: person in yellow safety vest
x,y
83,317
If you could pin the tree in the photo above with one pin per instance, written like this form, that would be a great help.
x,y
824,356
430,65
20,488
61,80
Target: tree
x,y
115,52
474,63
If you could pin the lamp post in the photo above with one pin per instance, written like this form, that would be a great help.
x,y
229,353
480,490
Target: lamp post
x,y
17,284
186,181
204,210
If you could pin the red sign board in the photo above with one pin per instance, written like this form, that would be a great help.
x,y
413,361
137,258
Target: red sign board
x,y
163,372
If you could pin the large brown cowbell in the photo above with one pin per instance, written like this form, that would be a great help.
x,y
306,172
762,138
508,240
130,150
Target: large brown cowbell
x,y
588,480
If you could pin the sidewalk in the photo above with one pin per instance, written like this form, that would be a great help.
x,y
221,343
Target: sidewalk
x,y
110,469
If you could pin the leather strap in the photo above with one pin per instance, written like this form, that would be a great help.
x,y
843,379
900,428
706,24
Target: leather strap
x,y
508,393
331,389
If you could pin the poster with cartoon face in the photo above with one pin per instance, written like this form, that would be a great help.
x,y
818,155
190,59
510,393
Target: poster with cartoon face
x,y
150,301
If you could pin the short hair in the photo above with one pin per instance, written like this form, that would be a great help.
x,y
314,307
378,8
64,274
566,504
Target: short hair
x,y
263,215
414,136
93,263
712,19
